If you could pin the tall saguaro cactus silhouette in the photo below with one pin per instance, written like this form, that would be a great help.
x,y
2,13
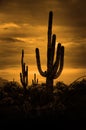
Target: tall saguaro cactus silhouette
x,y
54,67
24,73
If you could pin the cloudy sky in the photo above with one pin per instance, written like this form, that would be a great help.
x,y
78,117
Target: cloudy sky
x,y
23,25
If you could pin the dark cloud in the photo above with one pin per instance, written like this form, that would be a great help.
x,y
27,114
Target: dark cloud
x,y
10,40
23,11
10,52
76,54
67,12
72,12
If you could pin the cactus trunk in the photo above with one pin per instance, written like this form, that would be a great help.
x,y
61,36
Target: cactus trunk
x,y
49,84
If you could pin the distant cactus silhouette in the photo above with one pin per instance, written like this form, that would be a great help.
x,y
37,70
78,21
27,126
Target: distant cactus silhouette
x,y
34,81
24,73
54,68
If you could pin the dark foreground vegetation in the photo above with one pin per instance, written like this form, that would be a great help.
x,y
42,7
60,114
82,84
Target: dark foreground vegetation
x,y
67,104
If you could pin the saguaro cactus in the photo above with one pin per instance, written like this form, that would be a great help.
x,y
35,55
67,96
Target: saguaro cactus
x,y
54,67
35,80
24,73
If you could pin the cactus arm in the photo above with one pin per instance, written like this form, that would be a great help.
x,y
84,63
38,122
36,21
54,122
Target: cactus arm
x,y
39,64
56,64
26,75
60,64
35,77
37,81
53,47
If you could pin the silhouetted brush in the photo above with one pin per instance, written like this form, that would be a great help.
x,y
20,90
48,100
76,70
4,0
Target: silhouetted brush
x,y
24,73
54,68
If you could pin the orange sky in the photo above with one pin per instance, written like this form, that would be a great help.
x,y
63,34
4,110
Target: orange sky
x,y
23,25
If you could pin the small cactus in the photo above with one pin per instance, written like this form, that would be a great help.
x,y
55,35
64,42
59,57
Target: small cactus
x,y
54,67
34,81
24,73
